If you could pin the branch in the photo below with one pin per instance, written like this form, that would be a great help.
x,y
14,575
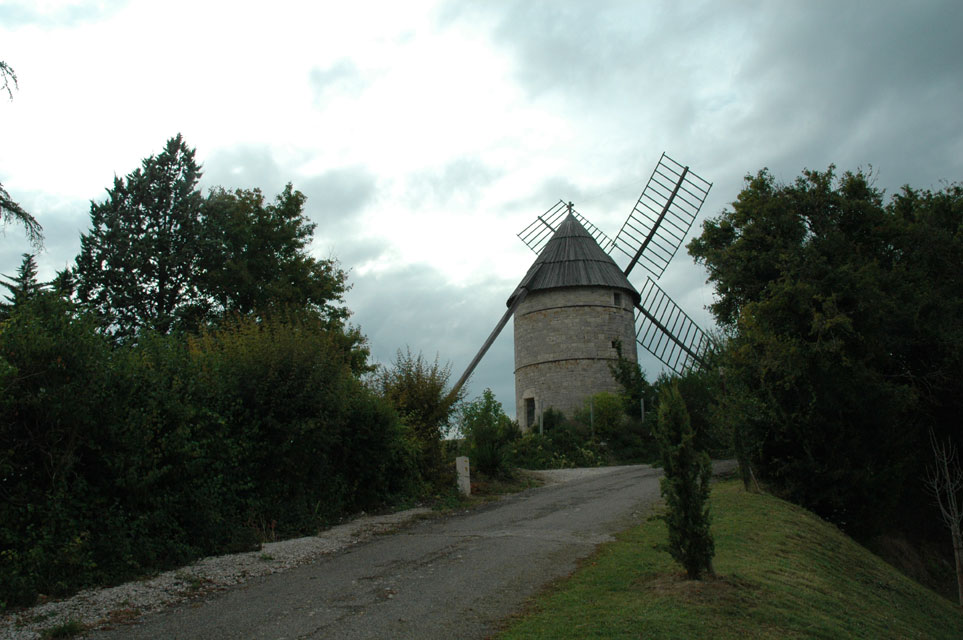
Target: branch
x,y
945,480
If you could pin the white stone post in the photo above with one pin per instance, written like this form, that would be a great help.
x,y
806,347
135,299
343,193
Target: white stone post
x,y
464,476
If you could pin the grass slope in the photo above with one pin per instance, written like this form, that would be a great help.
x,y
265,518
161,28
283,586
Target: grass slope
x,y
781,573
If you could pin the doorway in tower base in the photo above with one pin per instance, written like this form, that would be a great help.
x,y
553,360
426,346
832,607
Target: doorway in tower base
x,y
529,413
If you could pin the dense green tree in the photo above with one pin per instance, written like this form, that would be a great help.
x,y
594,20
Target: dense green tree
x,y
685,486
21,287
256,258
845,316
487,431
139,263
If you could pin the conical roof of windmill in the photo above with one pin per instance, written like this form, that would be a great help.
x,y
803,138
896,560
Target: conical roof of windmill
x,y
572,258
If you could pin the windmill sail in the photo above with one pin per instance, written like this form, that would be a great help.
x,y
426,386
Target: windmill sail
x,y
650,236
539,232
662,216
667,332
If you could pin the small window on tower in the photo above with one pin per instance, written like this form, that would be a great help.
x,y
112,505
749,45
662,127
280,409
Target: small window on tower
x,y
618,299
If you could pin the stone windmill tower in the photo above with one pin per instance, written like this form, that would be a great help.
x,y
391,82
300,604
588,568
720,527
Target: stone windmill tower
x,y
578,303
575,301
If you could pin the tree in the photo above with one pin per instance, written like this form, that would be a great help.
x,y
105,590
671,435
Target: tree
x,y
138,265
487,432
23,287
418,390
256,259
8,75
844,314
945,482
685,486
10,211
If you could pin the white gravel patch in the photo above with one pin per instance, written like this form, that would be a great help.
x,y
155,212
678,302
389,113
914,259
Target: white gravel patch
x,y
104,607
555,476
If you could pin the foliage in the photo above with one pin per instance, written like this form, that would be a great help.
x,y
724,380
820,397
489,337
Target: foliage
x,y
255,257
22,287
636,391
120,460
562,444
139,262
845,317
685,486
418,390
487,432
160,257
622,436
781,573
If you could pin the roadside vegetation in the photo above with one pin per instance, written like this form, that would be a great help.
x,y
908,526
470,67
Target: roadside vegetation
x,y
780,572
191,385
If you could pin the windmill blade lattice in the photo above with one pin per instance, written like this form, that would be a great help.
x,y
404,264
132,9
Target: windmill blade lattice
x,y
539,232
667,332
662,216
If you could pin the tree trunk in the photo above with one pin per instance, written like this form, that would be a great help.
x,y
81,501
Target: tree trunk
x,y
958,558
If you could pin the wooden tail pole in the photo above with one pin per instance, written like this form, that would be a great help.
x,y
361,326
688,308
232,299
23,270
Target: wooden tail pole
x,y
522,292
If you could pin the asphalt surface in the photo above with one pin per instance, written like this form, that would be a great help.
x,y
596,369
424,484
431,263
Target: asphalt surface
x,y
455,577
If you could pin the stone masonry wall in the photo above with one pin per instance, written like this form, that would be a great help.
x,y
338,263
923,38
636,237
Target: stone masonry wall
x,y
563,346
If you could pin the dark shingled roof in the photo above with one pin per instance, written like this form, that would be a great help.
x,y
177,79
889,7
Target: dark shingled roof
x,y
572,258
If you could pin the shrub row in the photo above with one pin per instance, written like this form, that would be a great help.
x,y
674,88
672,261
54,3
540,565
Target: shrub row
x,y
116,461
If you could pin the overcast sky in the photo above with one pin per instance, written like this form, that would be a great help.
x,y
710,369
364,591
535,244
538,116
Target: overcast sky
x,y
427,134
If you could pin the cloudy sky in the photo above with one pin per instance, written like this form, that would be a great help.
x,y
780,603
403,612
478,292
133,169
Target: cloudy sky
x,y
427,134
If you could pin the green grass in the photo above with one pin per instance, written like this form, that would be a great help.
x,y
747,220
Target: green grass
x,y
780,573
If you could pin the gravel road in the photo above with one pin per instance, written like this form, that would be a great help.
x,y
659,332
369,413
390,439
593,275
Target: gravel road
x,y
451,577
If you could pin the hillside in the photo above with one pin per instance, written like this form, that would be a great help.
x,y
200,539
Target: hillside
x,y
781,573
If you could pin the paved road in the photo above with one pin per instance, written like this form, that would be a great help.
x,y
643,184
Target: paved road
x,y
450,578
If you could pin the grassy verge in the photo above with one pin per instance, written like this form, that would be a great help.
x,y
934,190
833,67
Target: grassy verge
x,y
781,573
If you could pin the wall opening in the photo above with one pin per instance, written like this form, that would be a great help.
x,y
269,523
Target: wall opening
x,y
530,412
617,299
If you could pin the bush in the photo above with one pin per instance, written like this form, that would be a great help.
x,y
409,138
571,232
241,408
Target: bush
x,y
685,486
563,444
418,391
622,437
120,461
488,433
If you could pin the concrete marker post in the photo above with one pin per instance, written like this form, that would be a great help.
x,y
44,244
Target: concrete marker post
x,y
464,475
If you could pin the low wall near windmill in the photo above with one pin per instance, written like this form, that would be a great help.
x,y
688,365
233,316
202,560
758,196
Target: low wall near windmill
x,y
564,346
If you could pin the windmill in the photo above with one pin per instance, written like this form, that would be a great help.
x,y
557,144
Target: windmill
x,y
581,301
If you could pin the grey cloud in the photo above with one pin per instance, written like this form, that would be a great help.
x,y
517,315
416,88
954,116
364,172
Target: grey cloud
x,y
244,167
62,221
343,76
336,200
412,306
457,183
339,194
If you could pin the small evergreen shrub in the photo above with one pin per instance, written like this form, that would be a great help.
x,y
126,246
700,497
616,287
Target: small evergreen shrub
x,y
685,486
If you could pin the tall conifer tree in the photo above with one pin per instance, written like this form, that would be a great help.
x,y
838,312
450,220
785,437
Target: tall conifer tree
x,y
137,265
